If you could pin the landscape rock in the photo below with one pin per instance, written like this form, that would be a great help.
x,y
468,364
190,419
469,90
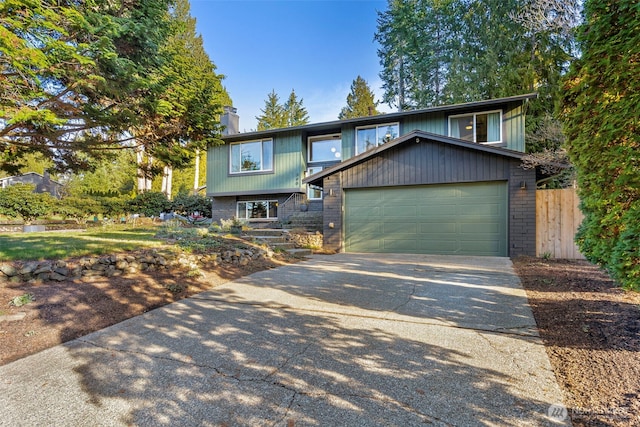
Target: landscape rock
x,y
131,263
8,270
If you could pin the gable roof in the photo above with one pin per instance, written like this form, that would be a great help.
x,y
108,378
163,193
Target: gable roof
x,y
17,177
380,117
416,136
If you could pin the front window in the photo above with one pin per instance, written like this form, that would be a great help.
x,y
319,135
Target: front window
x,y
372,136
257,209
484,128
313,192
251,156
325,148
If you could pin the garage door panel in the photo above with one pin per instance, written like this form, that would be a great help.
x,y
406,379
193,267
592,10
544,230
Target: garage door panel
x,y
436,219
395,245
398,211
369,229
480,247
364,211
410,228
436,246
490,210
480,228
437,227
437,210
403,198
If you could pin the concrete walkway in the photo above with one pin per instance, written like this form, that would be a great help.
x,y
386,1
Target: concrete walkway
x,y
341,340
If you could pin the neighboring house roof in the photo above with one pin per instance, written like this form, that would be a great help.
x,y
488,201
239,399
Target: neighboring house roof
x,y
468,106
416,136
18,177
43,183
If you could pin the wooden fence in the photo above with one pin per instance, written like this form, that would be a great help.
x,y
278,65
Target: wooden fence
x,y
557,220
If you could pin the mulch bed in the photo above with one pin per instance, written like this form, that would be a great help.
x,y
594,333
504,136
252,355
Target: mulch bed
x,y
591,330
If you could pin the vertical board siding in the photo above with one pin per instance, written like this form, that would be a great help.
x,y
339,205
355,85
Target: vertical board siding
x,y
430,122
513,127
288,169
557,219
424,163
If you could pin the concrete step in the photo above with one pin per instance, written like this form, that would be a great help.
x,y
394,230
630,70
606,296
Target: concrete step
x,y
262,232
299,252
283,246
270,239
277,239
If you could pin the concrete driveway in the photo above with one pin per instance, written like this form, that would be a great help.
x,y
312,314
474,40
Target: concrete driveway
x,y
341,340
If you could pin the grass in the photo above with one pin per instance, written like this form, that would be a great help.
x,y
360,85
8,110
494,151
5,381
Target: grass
x,y
61,245
23,299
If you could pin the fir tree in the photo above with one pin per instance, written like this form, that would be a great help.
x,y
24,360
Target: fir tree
x,y
360,101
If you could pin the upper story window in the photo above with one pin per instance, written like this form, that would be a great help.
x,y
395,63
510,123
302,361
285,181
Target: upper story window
x,y
251,156
483,127
371,136
325,148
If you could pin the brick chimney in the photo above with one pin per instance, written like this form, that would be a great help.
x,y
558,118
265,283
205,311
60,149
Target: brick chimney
x,y
230,120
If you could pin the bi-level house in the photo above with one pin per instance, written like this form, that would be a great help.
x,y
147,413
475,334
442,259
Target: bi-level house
x,y
441,180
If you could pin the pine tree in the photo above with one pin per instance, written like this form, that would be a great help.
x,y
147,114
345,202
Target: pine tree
x,y
360,101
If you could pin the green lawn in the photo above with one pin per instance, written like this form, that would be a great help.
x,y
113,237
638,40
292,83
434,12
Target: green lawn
x,y
61,244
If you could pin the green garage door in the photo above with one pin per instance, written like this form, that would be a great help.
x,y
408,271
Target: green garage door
x,y
460,219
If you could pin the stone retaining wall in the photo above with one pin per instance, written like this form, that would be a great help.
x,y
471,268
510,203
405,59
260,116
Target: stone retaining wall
x,y
119,264
306,239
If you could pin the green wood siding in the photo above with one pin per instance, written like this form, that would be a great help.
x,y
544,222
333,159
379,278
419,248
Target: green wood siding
x,y
513,119
288,169
456,219
434,123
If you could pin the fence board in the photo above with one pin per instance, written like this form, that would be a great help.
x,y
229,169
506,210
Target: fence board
x,y
557,219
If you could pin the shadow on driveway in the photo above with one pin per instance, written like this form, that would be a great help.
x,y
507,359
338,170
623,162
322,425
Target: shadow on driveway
x,y
342,340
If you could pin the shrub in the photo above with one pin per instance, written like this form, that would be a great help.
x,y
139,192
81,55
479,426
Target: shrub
x,y
149,204
77,208
625,259
112,206
185,204
19,201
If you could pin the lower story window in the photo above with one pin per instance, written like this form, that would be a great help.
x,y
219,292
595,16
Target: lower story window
x,y
313,192
257,209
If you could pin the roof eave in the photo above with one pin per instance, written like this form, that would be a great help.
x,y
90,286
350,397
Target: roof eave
x,y
391,116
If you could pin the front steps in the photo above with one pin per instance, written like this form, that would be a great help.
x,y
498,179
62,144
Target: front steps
x,y
277,239
309,221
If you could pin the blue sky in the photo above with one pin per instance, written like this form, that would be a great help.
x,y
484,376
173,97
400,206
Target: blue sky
x,y
317,47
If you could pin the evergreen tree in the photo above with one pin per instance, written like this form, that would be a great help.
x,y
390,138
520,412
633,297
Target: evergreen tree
x,y
76,76
601,113
435,52
397,39
360,101
294,111
273,114
187,113
115,176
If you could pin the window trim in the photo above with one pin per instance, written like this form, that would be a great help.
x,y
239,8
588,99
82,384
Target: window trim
x,y
244,217
376,126
257,171
309,185
474,114
330,136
